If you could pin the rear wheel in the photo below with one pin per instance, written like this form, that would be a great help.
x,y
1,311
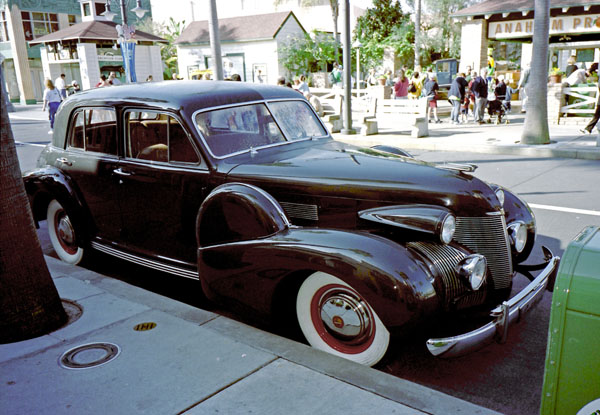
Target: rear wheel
x,y
63,236
335,318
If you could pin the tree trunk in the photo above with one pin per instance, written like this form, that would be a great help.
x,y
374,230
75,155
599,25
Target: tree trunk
x,y
335,12
29,303
417,33
535,130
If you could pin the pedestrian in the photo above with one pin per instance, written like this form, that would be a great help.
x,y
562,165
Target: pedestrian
x,y
281,81
522,87
415,85
315,102
389,78
509,92
480,90
113,80
61,85
372,78
302,86
335,77
588,128
259,76
150,78
431,89
74,87
52,100
578,76
456,95
571,66
236,77
102,82
401,86
491,67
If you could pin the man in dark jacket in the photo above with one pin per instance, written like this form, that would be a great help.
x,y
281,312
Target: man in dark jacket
x,y
480,89
456,95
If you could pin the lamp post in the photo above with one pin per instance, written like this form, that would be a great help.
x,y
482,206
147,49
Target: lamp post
x,y
357,45
126,35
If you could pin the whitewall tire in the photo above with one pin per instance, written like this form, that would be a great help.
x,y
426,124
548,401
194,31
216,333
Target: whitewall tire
x,y
335,318
63,235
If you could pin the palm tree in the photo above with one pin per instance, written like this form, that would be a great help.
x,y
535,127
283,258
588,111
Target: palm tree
x,y
29,303
535,130
417,33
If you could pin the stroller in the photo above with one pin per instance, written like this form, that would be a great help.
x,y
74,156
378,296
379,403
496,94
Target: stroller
x,y
497,107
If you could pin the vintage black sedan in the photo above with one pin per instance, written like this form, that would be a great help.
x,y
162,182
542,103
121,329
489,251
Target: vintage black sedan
x,y
242,187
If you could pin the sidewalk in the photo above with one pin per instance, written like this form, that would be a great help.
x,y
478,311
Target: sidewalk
x,y
191,362
565,140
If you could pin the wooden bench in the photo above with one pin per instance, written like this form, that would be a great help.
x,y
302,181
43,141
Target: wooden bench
x,y
400,111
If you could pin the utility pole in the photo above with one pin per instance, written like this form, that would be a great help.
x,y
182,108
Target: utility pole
x,y
215,42
347,73
417,33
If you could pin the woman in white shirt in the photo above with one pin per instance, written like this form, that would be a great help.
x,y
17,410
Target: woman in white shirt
x,y
52,100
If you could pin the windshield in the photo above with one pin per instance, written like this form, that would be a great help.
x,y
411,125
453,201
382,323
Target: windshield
x,y
232,130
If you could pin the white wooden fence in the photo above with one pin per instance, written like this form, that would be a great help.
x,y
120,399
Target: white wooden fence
x,y
585,103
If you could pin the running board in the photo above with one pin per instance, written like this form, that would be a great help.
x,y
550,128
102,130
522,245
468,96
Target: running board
x,y
149,263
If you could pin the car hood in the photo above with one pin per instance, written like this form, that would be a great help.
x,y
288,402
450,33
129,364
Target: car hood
x,y
334,169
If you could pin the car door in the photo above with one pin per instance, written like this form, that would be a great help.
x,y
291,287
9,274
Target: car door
x,y
90,158
164,181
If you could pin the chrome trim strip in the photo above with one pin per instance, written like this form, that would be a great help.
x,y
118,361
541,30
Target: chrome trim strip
x,y
505,315
150,263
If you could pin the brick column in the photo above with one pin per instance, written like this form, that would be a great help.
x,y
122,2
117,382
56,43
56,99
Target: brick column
x,y
20,56
556,99
473,44
88,65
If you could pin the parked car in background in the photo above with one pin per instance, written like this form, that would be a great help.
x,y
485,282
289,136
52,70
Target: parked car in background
x,y
241,186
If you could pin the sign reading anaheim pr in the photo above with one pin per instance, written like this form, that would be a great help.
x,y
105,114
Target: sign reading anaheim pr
x,y
565,24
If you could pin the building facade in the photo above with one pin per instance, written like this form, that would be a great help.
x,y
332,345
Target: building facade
x,y
40,39
574,31
249,46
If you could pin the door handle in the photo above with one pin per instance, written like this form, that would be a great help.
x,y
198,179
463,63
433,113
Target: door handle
x,y
120,172
64,161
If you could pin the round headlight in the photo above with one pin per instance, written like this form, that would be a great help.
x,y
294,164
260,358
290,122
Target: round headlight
x,y
500,196
448,229
471,270
517,232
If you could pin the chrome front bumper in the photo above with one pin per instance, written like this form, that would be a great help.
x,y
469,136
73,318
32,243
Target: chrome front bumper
x,y
506,314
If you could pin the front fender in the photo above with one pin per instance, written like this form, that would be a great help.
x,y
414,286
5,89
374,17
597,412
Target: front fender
x,y
394,281
47,183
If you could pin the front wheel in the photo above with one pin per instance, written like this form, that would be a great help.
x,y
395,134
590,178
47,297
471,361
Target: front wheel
x,y
335,318
63,235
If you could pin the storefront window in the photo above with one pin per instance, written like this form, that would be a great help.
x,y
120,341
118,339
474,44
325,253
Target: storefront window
x,y
37,24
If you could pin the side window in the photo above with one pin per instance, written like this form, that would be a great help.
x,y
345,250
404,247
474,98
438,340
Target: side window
x,y
101,131
76,139
95,129
157,137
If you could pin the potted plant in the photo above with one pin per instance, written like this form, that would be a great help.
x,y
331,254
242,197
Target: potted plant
x,y
556,75
381,79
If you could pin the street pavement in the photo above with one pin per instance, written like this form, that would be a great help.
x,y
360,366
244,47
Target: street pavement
x,y
192,361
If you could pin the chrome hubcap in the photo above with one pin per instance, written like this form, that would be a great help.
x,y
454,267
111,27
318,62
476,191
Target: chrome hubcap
x,y
345,316
65,230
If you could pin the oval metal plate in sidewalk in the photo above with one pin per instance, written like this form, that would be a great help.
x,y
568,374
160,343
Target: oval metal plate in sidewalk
x,y
89,355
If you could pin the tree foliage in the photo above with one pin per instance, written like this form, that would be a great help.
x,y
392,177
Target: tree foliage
x,y
308,53
384,25
170,32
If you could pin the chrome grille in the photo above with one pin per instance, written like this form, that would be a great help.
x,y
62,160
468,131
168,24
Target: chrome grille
x,y
445,258
300,211
487,236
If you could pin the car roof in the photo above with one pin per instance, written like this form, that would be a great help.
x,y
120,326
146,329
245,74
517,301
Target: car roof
x,y
188,95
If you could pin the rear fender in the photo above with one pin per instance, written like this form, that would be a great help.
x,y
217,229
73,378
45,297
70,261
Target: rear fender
x,y
392,279
47,183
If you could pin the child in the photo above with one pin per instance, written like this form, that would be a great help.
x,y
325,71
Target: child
x,y
464,111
